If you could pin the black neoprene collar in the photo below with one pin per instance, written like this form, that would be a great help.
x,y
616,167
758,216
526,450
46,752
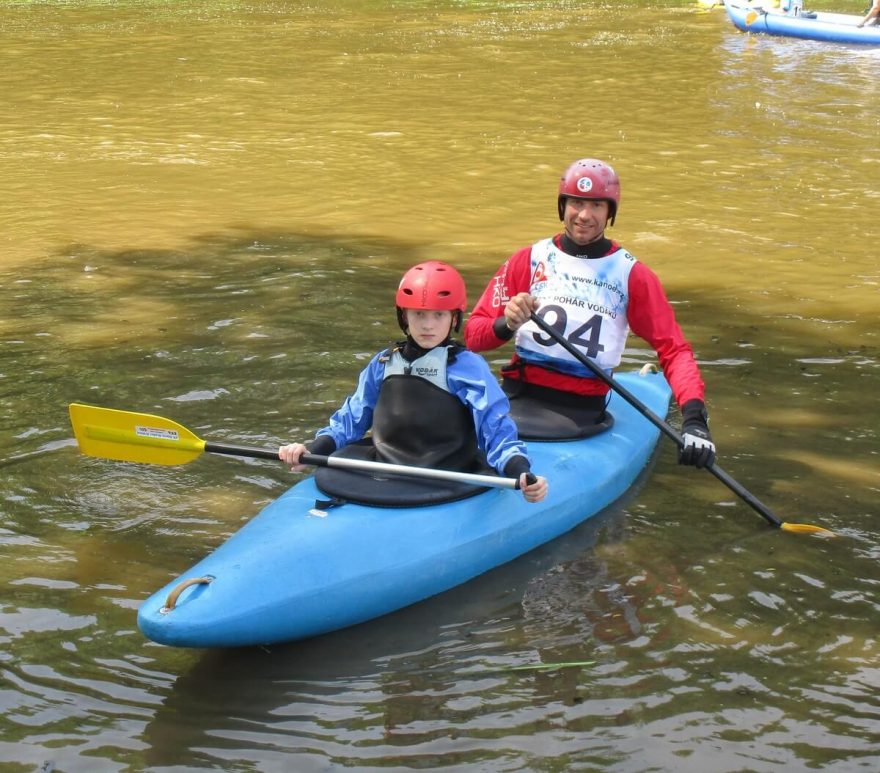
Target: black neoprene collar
x,y
597,249
411,351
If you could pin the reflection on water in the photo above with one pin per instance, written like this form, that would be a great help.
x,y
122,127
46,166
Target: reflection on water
x,y
207,209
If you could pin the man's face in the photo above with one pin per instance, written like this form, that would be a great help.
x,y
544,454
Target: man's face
x,y
585,219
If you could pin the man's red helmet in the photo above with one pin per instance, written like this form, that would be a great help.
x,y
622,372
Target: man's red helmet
x,y
435,286
590,178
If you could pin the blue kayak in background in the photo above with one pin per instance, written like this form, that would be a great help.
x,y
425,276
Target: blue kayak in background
x,y
299,569
811,25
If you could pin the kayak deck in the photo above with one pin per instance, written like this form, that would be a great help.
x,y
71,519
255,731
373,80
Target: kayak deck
x,y
296,571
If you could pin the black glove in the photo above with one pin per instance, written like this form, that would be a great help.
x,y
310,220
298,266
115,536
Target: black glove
x,y
697,446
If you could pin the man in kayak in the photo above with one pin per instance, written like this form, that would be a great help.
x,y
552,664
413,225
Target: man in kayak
x,y
429,401
873,15
592,291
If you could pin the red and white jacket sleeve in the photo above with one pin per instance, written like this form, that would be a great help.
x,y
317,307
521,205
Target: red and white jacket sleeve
x,y
651,317
512,278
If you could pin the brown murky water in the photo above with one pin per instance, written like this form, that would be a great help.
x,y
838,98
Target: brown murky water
x,y
205,210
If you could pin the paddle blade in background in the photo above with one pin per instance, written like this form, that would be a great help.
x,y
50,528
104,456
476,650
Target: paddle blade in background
x,y
132,437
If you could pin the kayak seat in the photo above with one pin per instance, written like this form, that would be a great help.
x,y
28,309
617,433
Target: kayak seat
x,y
388,490
547,414
537,421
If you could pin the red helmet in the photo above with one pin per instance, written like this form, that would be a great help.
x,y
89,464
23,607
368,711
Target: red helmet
x,y
590,178
432,285
435,286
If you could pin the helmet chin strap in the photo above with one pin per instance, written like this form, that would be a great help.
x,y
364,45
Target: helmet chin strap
x,y
412,351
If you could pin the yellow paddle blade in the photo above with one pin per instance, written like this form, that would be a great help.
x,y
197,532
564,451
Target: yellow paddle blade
x,y
806,528
132,437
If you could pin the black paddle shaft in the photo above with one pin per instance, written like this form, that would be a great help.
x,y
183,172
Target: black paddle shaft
x,y
749,498
249,451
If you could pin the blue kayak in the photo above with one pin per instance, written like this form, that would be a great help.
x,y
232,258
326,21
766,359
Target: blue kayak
x,y
813,25
298,570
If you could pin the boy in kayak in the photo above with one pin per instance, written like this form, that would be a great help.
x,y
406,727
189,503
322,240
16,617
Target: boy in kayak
x,y
429,401
592,291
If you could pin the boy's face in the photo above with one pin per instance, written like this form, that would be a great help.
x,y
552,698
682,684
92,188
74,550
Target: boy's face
x,y
428,328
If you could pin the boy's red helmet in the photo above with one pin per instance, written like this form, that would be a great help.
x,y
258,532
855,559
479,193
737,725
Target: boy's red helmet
x,y
434,286
590,178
